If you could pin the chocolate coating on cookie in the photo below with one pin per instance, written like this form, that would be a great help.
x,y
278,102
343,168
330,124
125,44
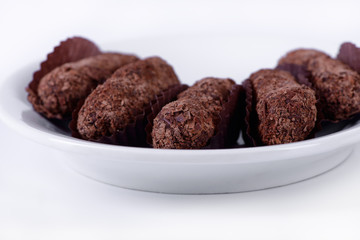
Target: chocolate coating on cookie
x,y
301,56
337,85
190,121
286,110
183,124
117,102
60,90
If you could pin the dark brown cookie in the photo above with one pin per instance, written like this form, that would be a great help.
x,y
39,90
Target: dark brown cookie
x,y
116,103
190,121
281,110
336,84
301,56
183,124
70,50
60,90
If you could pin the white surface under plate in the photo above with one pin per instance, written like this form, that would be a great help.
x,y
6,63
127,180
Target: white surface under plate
x,y
183,171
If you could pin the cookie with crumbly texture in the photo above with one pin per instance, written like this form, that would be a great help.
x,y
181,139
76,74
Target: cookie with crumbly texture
x,y
301,56
337,85
211,92
59,91
191,120
183,124
117,102
285,110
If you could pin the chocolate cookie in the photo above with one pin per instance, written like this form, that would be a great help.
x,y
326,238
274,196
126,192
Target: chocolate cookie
x,y
279,110
336,84
59,91
301,56
116,103
191,120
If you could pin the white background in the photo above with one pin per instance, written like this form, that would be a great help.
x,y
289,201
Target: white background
x,y
41,198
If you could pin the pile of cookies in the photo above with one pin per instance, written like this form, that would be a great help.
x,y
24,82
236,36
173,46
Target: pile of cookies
x,y
121,99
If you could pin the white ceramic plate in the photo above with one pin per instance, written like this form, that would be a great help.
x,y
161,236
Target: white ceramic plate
x,y
184,171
